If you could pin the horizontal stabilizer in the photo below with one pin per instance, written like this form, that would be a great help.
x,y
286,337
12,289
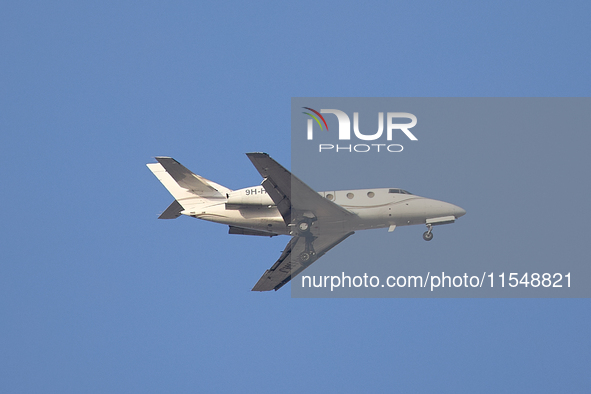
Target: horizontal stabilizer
x,y
172,212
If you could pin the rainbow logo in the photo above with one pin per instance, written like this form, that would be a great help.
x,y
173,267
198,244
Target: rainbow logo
x,y
315,118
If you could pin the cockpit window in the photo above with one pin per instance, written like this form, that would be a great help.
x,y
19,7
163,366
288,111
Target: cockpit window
x,y
399,191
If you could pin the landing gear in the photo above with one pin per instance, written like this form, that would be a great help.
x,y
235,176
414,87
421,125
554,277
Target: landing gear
x,y
305,256
309,251
303,226
303,232
428,235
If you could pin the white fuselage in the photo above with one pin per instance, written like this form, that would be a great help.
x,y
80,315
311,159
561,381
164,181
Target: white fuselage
x,y
373,208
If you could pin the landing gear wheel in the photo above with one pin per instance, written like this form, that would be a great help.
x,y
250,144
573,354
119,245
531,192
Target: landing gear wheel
x,y
303,226
427,235
305,256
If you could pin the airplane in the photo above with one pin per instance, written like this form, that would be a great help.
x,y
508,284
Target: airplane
x,y
284,205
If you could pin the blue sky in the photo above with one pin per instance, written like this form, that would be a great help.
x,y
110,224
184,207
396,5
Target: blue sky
x,y
96,295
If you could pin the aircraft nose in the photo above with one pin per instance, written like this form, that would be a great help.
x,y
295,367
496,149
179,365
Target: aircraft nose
x,y
459,211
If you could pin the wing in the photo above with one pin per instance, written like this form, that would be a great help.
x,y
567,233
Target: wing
x,y
250,231
290,194
296,201
296,257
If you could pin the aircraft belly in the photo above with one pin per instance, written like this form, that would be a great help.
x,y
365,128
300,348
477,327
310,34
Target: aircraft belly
x,y
258,218
407,218
367,218
410,212
401,213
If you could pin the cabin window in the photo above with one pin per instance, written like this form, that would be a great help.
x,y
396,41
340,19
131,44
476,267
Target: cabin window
x,y
350,195
370,194
329,197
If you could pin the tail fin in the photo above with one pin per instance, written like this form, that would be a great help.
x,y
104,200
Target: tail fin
x,y
183,184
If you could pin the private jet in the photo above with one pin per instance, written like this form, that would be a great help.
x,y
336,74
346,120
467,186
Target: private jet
x,y
284,205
